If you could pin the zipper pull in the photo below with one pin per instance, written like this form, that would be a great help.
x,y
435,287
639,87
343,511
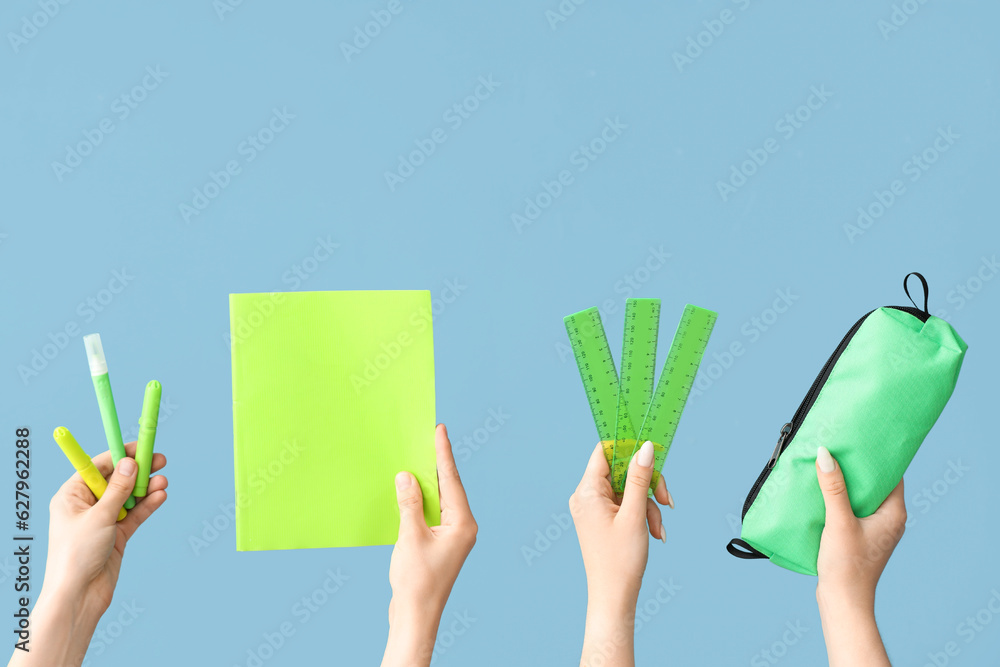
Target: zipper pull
x,y
785,430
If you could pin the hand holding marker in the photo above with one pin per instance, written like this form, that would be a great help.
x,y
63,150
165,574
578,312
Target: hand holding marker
x,y
81,462
106,401
86,548
147,434
109,416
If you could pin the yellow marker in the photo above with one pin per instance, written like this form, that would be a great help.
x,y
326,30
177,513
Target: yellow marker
x,y
92,477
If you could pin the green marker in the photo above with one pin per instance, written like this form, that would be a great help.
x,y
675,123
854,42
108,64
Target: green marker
x,y
106,402
147,434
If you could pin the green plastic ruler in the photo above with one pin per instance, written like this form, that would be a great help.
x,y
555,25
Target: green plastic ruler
x,y
635,386
633,397
597,370
676,379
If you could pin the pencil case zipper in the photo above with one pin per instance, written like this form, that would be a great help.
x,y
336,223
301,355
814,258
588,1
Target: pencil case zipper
x,y
789,429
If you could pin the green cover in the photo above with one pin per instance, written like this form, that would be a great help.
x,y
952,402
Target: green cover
x,y
881,399
333,394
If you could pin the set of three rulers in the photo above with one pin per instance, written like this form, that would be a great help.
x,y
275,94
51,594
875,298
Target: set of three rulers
x,y
620,402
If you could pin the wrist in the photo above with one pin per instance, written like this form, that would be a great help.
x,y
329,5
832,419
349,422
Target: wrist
x,y
64,597
611,613
614,600
845,602
60,627
413,627
412,617
609,637
851,634
73,599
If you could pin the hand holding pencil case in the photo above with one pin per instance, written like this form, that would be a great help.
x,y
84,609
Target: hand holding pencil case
x,y
872,404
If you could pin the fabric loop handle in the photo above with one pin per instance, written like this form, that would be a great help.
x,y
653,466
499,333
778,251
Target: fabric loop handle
x,y
923,282
741,549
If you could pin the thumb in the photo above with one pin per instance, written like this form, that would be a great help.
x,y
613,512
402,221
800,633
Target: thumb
x,y
834,488
640,472
119,488
411,504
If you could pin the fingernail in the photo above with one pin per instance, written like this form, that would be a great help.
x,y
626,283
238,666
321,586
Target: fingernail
x,y
403,481
663,534
644,457
825,460
670,500
126,467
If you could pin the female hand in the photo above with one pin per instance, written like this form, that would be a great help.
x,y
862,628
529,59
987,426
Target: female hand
x,y
853,553
613,540
86,541
426,560
86,545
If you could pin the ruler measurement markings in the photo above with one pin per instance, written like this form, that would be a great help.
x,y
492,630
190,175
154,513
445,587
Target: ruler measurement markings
x,y
629,393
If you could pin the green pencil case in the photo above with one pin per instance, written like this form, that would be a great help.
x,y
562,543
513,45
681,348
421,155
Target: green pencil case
x,y
872,404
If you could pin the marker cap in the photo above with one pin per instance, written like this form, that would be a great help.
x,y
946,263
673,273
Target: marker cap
x,y
147,434
151,405
95,354
77,457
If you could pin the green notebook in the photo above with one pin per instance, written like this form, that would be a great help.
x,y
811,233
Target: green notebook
x,y
333,394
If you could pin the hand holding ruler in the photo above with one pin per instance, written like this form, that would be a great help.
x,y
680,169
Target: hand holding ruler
x,y
618,404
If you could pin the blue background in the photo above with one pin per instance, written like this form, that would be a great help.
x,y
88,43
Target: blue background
x,y
500,344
